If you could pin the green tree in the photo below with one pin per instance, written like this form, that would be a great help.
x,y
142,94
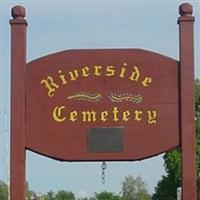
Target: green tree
x,y
29,192
166,188
92,198
3,191
64,195
83,198
163,189
134,189
198,189
106,196
49,196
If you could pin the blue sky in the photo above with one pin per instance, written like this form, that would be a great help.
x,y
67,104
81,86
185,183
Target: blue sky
x,y
58,25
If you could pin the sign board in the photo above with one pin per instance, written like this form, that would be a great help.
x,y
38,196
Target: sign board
x,y
102,105
68,94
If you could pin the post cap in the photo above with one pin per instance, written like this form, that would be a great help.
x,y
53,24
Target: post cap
x,y
185,9
18,12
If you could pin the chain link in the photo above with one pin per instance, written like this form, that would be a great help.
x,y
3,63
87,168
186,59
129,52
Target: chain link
x,y
103,176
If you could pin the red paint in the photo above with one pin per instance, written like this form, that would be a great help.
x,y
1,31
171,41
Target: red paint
x,y
186,21
68,140
18,64
170,93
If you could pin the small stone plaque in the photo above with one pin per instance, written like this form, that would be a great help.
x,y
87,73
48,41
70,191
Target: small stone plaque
x,y
106,139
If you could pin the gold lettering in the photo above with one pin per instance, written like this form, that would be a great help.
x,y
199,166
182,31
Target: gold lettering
x,y
135,74
89,116
146,82
57,114
152,116
50,85
104,116
115,114
110,71
138,114
123,70
126,116
73,75
97,70
122,73
73,116
62,77
85,71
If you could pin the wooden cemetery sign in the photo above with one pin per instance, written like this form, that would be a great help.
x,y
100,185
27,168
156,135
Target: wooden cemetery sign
x,y
102,105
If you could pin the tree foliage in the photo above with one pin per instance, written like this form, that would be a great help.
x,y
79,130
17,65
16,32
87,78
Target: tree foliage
x,y
29,193
166,188
3,191
163,189
60,195
134,189
198,189
49,196
64,195
106,196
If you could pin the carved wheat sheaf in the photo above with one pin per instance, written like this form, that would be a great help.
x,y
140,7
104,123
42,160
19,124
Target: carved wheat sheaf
x,y
124,97
85,96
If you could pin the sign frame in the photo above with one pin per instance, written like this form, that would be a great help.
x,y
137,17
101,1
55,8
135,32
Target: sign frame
x,y
18,102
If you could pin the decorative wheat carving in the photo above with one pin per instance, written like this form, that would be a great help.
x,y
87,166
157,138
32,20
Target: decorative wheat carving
x,y
124,97
85,96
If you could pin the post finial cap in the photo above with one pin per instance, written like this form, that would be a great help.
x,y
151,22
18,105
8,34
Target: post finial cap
x,y
18,12
185,9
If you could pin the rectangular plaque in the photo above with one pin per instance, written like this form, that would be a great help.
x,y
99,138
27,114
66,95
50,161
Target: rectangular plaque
x,y
106,139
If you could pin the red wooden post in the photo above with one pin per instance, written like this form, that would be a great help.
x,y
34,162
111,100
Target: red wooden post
x,y
186,21
18,64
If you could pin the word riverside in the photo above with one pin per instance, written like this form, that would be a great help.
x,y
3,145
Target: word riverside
x,y
52,84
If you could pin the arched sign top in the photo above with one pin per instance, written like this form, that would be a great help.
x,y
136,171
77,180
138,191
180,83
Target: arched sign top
x,y
110,104
84,53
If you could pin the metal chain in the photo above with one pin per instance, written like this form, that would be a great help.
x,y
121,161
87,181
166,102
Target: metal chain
x,y
103,176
